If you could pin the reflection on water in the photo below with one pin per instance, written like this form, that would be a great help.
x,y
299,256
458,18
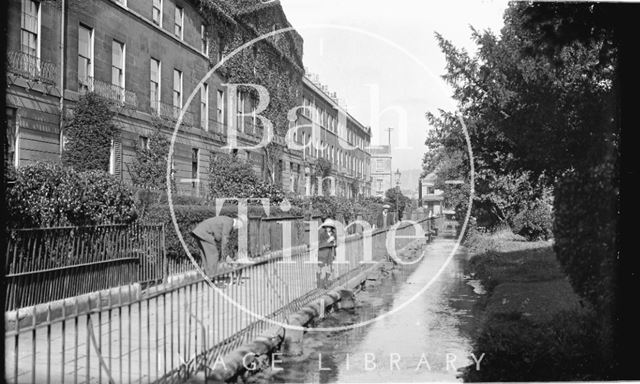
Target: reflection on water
x,y
425,340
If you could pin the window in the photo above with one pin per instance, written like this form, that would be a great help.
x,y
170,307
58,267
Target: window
x,y
220,106
154,95
117,64
254,115
379,165
112,159
85,56
177,92
30,28
379,184
195,172
220,49
143,142
178,22
13,141
156,12
204,107
204,40
240,98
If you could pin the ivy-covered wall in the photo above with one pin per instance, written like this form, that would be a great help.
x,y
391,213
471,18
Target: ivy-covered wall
x,y
274,63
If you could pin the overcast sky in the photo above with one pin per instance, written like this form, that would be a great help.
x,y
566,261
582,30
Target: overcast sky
x,y
387,48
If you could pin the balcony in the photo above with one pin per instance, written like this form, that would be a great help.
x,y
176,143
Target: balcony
x,y
172,113
31,67
108,91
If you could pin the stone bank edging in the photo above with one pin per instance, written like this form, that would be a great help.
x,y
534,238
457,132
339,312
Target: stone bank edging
x,y
290,340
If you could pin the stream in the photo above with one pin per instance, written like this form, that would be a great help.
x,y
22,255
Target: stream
x,y
428,339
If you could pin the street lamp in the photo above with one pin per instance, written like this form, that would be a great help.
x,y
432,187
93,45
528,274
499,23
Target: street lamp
x,y
398,178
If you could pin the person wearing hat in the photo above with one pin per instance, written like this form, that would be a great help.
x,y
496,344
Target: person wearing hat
x,y
212,236
326,253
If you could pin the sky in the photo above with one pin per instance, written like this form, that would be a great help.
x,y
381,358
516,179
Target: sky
x,y
382,59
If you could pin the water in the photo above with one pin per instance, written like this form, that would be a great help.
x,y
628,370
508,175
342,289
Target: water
x,y
428,339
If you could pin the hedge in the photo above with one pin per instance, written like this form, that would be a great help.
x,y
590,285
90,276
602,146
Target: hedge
x,y
230,175
340,208
585,232
189,216
48,194
535,222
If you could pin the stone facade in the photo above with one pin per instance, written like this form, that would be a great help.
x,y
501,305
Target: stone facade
x,y
108,48
381,170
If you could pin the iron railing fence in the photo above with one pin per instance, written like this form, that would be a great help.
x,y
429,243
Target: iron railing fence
x,y
109,91
31,67
168,332
172,112
48,264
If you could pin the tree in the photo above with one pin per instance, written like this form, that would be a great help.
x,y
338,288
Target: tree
x,y
397,200
90,134
149,168
321,169
540,102
355,188
544,104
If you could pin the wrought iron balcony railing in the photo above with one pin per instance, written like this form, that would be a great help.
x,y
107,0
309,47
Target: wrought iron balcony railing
x,y
31,67
108,91
171,112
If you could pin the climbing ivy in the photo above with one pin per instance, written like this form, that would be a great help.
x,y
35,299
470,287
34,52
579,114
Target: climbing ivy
x,y
271,62
321,168
149,168
89,134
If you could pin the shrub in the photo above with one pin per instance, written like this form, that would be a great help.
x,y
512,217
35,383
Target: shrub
x,y
231,176
339,208
189,216
534,222
48,194
149,168
89,134
369,208
518,349
585,232
321,169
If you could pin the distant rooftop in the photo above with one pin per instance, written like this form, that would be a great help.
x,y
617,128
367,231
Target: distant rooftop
x,y
315,79
380,150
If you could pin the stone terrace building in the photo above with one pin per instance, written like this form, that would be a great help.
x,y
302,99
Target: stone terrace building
x,y
381,171
148,56
349,167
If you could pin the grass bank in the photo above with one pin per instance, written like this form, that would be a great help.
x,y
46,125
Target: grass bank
x,y
535,327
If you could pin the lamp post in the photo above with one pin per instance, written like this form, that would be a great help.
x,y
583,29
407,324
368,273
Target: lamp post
x,y
398,174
